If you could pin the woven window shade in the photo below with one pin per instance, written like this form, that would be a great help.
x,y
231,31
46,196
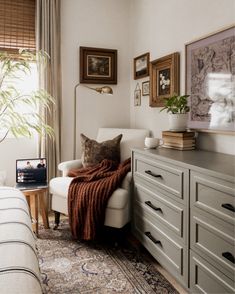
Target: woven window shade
x,y
17,24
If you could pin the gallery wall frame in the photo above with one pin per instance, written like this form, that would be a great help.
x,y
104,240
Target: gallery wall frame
x,y
141,66
210,81
164,79
98,65
145,88
137,95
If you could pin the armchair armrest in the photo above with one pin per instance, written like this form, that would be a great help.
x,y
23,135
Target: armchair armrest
x,y
126,183
66,166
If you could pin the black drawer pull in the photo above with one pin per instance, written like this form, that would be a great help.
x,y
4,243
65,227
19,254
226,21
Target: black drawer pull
x,y
149,172
149,203
229,256
148,234
228,206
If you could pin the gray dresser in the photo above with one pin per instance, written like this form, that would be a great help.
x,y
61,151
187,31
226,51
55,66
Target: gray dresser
x,y
184,214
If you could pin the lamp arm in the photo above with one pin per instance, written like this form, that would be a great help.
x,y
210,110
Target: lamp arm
x,y
94,89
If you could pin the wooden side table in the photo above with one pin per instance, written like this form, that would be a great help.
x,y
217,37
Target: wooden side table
x,y
35,198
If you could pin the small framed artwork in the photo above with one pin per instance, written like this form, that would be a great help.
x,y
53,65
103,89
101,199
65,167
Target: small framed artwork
x,y
145,88
164,79
210,82
137,95
141,66
98,65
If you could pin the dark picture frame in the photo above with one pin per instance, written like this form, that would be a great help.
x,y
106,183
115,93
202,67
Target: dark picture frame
x,y
164,79
145,88
210,80
98,65
141,66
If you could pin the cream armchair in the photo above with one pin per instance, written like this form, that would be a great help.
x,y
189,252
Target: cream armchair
x,y
117,213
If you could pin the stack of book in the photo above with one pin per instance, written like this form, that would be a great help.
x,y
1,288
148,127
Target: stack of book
x,y
179,140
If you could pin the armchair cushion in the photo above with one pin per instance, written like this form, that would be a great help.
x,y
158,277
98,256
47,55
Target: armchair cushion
x,y
94,152
59,188
60,185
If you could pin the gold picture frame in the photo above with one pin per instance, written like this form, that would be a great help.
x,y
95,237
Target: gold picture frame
x,y
164,79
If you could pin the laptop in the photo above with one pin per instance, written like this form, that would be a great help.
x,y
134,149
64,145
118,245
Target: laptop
x,y
31,173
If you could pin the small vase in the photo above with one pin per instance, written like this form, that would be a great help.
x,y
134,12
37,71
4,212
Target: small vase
x,y
178,122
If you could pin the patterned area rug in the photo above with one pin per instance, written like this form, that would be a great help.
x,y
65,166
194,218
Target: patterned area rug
x,y
70,266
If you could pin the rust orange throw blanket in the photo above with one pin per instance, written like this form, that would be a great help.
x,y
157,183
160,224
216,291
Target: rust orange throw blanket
x,y
88,196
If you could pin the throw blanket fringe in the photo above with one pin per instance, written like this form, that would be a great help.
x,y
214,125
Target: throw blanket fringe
x,y
88,196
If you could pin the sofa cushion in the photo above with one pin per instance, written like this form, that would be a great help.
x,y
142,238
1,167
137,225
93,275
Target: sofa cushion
x,y
19,269
19,282
17,232
18,255
94,152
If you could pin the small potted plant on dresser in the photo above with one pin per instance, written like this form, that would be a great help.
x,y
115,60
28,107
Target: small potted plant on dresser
x,y
177,109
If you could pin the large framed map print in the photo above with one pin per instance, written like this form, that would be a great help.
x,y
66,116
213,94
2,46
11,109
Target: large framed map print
x,y
210,81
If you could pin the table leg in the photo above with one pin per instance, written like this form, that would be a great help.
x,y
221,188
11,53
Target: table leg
x,y
43,211
34,211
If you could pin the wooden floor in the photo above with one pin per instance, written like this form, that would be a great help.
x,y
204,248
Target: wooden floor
x,y
169,277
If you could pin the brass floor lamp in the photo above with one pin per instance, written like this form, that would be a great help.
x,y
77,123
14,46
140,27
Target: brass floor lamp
x,y
101,90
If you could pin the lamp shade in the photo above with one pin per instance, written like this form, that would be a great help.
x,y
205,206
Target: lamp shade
x,y
103,90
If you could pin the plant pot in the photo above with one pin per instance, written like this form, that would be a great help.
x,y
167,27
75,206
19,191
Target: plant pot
x,y
178,121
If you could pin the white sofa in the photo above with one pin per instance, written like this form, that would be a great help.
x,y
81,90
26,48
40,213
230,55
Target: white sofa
x,y
19,268
117,213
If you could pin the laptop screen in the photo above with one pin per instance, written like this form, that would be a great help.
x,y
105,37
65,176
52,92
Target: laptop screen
x,y
31,170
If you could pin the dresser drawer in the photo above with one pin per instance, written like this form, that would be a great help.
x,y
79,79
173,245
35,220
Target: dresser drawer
x,y
167,252
161,209
160,174
204,278
214,196
215,240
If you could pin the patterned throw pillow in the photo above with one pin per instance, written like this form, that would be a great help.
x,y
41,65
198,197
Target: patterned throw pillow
x,y
94,152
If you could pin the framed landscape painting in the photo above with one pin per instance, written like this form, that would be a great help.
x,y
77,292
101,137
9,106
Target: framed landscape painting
x,y
98,65
210,81
141,66
164,79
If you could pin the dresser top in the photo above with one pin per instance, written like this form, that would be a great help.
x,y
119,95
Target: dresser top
x,y
223,164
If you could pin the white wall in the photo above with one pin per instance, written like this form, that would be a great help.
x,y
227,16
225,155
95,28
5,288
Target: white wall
x,y
12,149
163,27
102,24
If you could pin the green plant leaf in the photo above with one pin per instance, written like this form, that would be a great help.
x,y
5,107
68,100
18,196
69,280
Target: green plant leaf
x,y
176,104
13,120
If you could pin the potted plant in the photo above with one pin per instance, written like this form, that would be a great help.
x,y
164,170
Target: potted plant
x,y
177,108
19,112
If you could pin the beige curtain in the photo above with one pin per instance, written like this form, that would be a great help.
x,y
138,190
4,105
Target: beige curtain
x,y
48,40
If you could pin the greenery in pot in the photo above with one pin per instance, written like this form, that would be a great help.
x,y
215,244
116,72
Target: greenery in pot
x,y
176,104
19,112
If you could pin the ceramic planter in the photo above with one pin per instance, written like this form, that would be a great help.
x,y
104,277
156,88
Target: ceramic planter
x,y
178,121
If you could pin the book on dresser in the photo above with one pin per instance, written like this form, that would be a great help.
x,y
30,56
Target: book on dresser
x,y
179,140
